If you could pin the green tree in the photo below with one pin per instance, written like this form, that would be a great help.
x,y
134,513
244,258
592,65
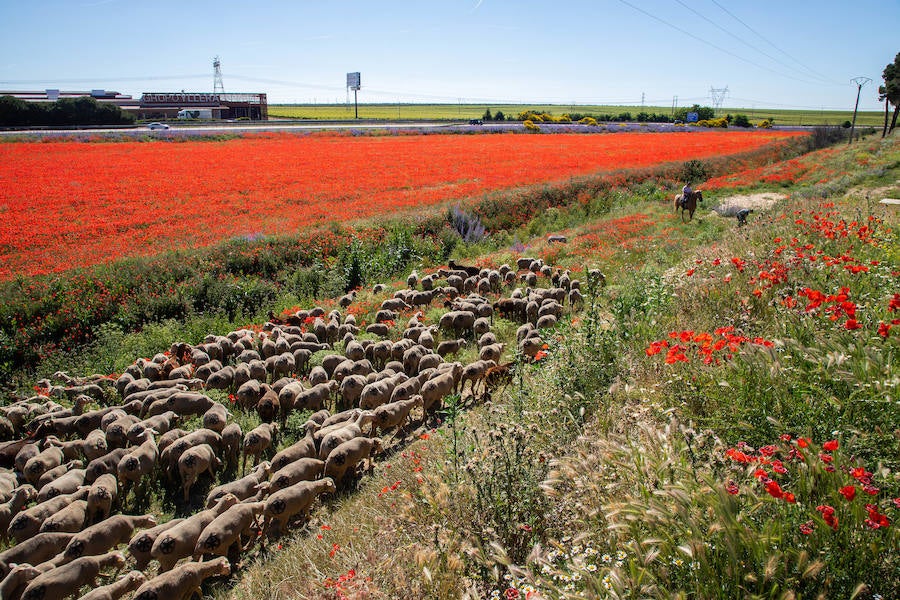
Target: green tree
x,y
487,115
741,121
890,91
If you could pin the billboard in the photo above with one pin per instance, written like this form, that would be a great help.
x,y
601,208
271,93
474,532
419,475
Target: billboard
x,y
353,81
151,98
692,117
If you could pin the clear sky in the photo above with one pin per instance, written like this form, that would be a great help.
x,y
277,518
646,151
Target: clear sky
x,y
778,54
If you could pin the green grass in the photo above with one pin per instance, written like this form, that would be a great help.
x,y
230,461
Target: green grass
x,y
457,112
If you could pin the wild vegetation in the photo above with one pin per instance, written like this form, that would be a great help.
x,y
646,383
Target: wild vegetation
x,y
719,420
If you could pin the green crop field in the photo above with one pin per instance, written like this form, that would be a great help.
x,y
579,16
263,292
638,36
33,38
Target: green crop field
x,y
453,112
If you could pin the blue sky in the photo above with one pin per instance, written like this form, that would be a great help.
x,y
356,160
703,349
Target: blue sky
x,y
785,54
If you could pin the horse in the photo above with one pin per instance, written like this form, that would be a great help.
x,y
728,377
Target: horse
x,y
689,205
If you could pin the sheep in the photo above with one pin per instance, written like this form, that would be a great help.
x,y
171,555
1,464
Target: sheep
x,y
70,519
546,322
491,352
45,460
443,384
304,469
34,550
318,375
268,408
242,488
395,304
379,329
317,396
159,423
14,584
216,417
474,372
304,448
184,403
429,361
127,583
101,497
232,436
195,461
117,429
378,392
183,582
109,533
172,453
141,543
296,499
349,431
20,497
379,352
248,394
227,528
66,580
28,522
530,346
393,414
223,379
344,459
65,483
139,463
450,346
169,438
180,540
351,388
258,441
25,453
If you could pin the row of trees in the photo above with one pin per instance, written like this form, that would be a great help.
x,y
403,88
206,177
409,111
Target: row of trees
x,y
85,110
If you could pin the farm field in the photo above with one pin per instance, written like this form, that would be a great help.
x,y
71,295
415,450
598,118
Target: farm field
x,y
71,204
712,413
456,112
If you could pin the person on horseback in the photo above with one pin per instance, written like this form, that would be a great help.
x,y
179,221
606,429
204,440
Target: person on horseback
x,y
686,192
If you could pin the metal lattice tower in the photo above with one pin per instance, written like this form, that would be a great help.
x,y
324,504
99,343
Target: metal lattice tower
x,y
717,95
218,86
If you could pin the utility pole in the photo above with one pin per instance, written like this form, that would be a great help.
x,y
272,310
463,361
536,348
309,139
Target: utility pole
x,y
674,104
642,101
860,82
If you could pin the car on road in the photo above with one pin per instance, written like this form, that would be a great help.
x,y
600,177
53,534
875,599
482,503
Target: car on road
x,y
476,122
157,126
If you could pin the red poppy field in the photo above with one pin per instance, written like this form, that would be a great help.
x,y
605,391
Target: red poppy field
x,y
67,204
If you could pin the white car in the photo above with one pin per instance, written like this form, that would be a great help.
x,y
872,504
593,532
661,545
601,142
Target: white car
x,y
157,126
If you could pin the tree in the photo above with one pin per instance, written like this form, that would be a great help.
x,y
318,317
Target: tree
x,y
487,115
891,88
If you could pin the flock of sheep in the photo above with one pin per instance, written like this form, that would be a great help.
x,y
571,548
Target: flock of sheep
x,y
68,475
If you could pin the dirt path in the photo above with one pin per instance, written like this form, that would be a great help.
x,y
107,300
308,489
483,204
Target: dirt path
x,y
729,206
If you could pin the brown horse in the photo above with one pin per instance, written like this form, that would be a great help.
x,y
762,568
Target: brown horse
x,y
689,205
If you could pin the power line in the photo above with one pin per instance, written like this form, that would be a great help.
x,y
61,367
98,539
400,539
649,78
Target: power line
x,y
763,38
710,44
95,79
743,41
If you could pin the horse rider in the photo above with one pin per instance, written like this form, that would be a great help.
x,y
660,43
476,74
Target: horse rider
x,y
686,192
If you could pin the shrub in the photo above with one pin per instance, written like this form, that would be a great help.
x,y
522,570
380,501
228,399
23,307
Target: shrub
x,y
693,170
588,121
741,121
469,227
487,116
764,124
530,126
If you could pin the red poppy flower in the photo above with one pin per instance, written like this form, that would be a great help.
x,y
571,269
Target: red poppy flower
x,y
774,489
830,445
825,458
803,442
790,498
807,528
731,487
852,324
848,492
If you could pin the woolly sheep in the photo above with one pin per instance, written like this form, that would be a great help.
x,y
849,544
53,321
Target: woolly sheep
x,y
242,488
65,581
180,540
227,528
183,581
195,461
100,537
141,543
296,499
113,591
101,497
257,441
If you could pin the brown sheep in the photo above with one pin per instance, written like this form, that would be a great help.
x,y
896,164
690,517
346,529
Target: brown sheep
x,y
343,460
379,392
34,550
108,463
127,583
93,446
491,352
142,542
450,346
28,522
228,528
316,397
286,503
195,461
242,488
183,582
66,580
14,584
304,448
349,431
179,541
257,441
268,408
64,479
24,454
304,469
440,385
70,519
43,461
169,457
139,463
102,495
20,497
393,414
101,537
474,372
117,431
216,417
232,436
159,423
